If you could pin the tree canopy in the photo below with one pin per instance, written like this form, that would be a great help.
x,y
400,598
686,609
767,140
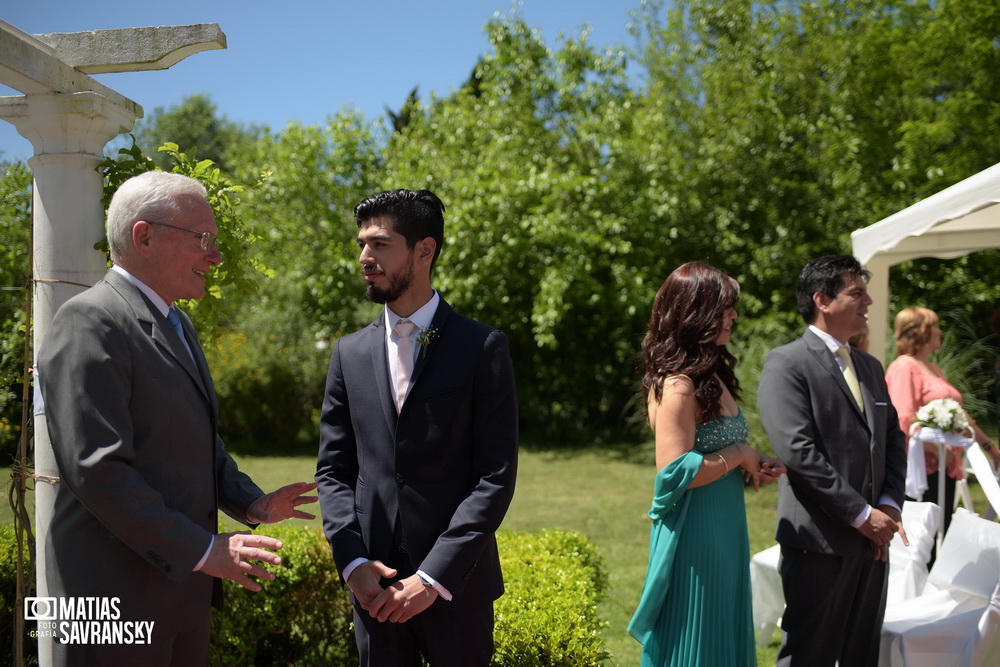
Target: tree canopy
x,y
752,135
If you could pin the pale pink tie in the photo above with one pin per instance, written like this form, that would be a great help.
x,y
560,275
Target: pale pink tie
x,y
404,359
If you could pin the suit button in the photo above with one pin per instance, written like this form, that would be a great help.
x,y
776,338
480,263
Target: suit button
x,y
399,477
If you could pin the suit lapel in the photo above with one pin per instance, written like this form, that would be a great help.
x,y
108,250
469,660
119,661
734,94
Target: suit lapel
x,y
864,379
387,393
165,336
828,361
200,362
156,325
380,365
426,351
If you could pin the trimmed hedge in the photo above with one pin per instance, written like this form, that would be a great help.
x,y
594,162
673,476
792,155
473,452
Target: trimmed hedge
x,y
303,617
548,616
8,589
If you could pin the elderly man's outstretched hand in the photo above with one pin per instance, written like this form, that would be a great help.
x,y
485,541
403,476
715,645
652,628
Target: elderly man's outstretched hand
x,y
281,504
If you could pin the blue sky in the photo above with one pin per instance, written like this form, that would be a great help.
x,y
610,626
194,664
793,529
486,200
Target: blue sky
x,y
304,59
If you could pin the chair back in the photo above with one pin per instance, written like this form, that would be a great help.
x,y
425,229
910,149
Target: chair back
x,y
969,559
980,466
921,521
908,564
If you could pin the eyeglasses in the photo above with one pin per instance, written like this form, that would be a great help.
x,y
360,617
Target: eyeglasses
x,y
208,239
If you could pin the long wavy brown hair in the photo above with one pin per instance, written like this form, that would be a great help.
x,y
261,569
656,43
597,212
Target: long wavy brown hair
x,y
683,329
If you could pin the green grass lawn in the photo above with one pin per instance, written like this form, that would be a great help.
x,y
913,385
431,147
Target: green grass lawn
x,y
602,493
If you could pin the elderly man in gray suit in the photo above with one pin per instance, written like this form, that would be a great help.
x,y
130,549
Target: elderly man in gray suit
x,y
827,412
132,415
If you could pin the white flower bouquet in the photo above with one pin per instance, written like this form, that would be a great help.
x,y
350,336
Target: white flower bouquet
x,y
945,414
943,422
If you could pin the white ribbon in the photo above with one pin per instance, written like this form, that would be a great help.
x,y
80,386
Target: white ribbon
x,y
916,466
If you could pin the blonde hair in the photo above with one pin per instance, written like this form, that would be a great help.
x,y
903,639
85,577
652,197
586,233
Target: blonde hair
x,y
913,329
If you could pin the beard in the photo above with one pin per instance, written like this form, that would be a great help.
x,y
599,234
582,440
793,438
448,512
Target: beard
x,y
398,284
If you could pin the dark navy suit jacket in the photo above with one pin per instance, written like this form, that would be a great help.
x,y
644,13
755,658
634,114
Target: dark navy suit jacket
x,y
445,466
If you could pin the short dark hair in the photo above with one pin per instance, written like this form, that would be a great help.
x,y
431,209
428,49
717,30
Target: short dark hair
x,y
416,214
825,275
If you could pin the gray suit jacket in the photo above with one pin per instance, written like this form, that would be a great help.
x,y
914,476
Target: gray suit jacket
x,y
132,421
838,458
445,465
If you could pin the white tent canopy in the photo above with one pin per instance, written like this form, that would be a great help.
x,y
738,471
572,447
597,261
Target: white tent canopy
x,y
954,222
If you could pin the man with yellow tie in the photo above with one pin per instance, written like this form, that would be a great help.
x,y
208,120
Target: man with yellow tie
x,y
826,410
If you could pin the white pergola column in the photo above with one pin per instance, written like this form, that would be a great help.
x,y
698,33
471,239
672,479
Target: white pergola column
x,y
68,132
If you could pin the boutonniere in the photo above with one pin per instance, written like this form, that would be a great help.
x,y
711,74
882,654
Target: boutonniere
x,y
426,337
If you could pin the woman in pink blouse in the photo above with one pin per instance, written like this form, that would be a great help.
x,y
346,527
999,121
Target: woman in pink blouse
x,y
913,381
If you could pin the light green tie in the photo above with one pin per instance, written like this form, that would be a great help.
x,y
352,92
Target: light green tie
x,y
844,352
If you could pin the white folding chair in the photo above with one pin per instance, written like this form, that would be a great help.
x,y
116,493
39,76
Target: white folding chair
x,y
953,621
978,464
908,564
768,597
987,648
962,494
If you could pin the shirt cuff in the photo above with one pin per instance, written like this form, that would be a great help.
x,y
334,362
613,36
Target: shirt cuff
x,y
860,520
201,563
353,566
438,587
886,500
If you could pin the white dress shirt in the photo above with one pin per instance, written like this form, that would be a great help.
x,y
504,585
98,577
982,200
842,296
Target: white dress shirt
x,y
422,317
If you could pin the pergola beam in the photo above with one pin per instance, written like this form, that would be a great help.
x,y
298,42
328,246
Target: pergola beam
x,y
32,67
133,49
945,246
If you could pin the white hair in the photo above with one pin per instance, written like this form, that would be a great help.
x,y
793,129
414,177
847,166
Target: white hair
x,y
153,196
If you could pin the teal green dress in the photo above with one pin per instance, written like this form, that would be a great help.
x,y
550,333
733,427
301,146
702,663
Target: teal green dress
x,y
695,607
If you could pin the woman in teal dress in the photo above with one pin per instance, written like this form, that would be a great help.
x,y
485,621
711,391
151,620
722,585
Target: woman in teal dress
x,y
695,607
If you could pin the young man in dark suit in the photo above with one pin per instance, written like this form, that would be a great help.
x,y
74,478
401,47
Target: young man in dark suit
x,y
826,410
418,451
132,415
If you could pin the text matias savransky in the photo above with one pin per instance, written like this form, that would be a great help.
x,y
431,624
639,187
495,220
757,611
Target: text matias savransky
x,y
85,620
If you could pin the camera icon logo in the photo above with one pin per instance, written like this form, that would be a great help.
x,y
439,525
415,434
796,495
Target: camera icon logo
x,y
40,609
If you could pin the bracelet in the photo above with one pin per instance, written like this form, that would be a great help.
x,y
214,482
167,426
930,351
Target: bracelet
x,y
724,462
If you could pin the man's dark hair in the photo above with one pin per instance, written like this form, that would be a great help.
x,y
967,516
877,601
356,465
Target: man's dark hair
x,y
416,214
825,275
